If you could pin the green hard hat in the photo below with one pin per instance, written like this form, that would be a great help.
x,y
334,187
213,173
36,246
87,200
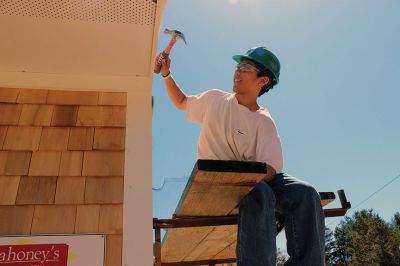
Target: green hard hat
x,y
264,57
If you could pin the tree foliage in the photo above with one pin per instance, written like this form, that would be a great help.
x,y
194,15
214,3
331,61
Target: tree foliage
x,y
364,239
396,221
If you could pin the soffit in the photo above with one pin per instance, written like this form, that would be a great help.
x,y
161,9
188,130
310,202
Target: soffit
x,y
75,37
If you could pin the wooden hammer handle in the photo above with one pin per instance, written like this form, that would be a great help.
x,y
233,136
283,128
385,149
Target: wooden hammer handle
x,y
160,57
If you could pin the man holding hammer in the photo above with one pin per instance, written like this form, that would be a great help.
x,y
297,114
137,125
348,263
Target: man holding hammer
x,y
235,127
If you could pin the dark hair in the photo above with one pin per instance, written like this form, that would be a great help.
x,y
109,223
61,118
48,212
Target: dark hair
x,y
265,73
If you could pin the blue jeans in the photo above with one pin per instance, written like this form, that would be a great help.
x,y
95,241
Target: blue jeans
x,y
301,207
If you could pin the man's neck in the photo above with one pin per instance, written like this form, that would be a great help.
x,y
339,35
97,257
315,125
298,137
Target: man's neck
x,y
248,101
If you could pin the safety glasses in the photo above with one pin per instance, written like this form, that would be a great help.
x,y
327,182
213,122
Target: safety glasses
x,y
245,67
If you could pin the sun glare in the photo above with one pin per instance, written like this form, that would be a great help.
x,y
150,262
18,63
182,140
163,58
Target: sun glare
x,y
232,2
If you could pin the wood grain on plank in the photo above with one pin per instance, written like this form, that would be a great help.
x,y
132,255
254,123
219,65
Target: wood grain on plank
x,y
180,242
228,252
215,193
215,242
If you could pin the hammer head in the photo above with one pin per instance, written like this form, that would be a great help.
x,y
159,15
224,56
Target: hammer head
x,y
177,35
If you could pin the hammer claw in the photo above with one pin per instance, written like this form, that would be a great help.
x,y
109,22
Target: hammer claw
x,y
175,35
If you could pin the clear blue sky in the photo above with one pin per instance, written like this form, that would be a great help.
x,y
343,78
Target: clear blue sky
x,y
337,105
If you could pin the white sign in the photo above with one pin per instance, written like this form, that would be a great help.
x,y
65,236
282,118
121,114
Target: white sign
x,y
82,249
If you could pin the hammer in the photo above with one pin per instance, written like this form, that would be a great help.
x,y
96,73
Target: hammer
x,y
176,35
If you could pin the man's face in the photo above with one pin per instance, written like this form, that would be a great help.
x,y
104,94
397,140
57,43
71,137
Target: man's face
x,y
245,79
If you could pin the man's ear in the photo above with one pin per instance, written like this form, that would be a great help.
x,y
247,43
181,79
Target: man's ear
x,y
263,81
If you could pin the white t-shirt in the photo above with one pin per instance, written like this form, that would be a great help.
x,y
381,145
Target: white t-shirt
x,y
231,131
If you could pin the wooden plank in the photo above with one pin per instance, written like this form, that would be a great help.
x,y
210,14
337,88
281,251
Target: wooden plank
x,y
8,189
211,192
179,242
16,219
213,189
228,252
215,242
208,200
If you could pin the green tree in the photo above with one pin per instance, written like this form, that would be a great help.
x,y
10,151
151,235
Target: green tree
x,y
330,247
366,239
342,257
396,221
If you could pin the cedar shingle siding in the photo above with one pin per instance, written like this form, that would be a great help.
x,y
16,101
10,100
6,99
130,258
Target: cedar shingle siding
x,y
62,163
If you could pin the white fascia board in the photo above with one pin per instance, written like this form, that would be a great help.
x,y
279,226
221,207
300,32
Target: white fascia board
x,y
73,82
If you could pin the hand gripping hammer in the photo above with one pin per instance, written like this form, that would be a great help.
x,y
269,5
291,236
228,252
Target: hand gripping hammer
x,y
176,35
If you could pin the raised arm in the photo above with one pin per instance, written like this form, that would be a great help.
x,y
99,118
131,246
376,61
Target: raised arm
x,y
176,95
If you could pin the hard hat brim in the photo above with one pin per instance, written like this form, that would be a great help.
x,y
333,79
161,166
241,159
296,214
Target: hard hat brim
x,y
239,58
